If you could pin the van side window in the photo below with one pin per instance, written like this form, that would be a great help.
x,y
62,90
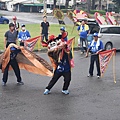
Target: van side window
x,y
115,30
105,30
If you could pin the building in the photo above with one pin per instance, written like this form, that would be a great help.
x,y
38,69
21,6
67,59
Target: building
x,y
22,5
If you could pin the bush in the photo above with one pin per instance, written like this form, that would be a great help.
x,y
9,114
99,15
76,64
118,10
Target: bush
x,y
100,11
65,10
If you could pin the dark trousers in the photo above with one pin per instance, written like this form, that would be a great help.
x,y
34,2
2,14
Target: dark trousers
x,y
7,44
45,36
21,43
92,60
16,69
56,76
82,41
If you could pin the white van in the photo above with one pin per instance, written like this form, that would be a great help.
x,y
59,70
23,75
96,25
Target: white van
x,y
110,35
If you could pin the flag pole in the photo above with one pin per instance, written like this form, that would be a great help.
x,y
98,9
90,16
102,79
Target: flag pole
x,y
73,47
39,43
114,71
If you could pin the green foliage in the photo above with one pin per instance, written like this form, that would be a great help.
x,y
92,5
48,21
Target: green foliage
x,y
117,2
117,8
100,11
65,10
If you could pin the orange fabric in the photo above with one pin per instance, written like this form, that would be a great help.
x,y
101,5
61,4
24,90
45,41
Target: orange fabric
x,y
28,61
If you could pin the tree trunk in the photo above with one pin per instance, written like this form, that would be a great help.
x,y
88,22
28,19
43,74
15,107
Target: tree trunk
x,y
67,4
100,6
88,5
75,5
54,6
93,4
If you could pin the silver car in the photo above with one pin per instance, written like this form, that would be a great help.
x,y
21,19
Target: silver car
x,y
110,35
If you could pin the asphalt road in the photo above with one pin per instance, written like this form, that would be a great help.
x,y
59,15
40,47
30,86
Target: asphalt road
x,y
89,98
27,18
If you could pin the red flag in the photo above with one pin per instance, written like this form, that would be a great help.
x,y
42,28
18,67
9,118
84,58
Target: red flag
x,y
30,44
69,43
104,58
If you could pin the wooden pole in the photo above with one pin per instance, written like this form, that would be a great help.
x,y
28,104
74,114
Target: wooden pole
x,y
114,71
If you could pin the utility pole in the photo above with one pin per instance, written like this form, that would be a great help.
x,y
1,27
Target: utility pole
x,y
45,8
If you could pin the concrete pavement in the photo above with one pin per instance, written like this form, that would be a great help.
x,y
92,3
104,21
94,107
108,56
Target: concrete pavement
x,y
89,99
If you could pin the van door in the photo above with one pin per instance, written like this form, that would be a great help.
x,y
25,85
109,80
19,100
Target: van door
x,y
115,32
111,34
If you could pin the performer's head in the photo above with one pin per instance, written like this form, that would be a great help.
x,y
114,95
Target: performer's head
x,y
44,18
14,19
62,29
11,26
23,27
95,36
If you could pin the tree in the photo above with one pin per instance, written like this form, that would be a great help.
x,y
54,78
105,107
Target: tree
x,y
54,4
117,2
100,5
93,4
67,4
88,5
75,4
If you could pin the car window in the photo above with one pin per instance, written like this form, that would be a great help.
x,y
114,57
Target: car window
x,y
110,30
105,30
115,30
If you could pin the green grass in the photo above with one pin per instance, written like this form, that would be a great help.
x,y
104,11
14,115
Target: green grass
x,y
34,30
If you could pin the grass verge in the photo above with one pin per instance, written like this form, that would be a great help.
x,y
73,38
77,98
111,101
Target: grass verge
x,y
34,30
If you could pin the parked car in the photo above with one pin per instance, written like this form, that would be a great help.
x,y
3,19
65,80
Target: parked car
x,y
48,10
3,20
109,34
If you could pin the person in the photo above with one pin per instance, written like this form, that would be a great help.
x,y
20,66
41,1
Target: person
x,y
63,34
95,47
83,31
10,36
13,62
23,35
44,29
63,68
16,23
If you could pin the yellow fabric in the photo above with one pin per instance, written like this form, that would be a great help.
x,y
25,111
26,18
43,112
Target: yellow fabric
x,y
86,27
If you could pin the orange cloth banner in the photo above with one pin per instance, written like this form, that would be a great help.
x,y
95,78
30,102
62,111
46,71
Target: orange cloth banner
x,y
28,61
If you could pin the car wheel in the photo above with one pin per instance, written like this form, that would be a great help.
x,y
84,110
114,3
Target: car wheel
x,y
5,22
108,46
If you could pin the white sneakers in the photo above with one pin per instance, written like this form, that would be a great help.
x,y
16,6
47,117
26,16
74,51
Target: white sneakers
x,y
92,76
46,92
66,92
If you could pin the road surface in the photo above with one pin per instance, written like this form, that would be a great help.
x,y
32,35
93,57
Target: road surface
x,y
27,18
89,98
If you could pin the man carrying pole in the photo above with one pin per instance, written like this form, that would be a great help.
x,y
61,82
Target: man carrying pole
x,y
95,47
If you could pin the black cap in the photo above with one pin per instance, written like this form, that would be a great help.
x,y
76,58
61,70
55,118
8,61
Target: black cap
x,y
11,25
23,25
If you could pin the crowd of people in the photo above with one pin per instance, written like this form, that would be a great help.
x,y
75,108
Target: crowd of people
x,y
62,62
